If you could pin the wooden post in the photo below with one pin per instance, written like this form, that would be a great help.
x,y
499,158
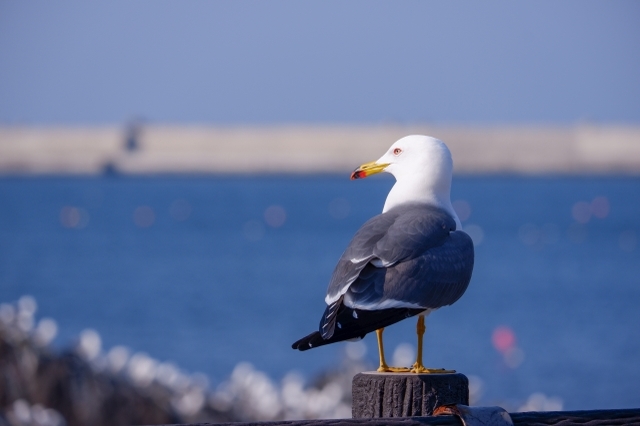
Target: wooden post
x,y
378,395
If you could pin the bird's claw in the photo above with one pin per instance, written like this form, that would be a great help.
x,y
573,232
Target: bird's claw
x,y
387,369
421,369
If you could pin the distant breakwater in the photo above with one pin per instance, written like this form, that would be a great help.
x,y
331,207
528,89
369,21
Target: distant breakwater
x,y
138,148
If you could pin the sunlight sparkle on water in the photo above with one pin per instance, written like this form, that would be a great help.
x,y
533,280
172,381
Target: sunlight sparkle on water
x,y
90,344
504,340
600,207
355,350
275,216
74,217
117,358
532,235
582,211
462,209
45,331
144,216
475,232
404,355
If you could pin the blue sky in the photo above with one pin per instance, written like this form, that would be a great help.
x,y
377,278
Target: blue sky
x,y
280,62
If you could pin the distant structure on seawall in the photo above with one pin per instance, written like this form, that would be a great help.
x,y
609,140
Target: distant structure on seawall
x,y
150,149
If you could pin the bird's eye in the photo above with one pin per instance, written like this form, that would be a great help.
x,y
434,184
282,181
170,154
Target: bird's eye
x,y
397,151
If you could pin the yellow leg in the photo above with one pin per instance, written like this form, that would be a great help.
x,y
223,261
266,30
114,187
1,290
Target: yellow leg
x,y
384,368
383,365
418,367
420,329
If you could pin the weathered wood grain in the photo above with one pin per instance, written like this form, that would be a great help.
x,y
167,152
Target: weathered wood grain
x,y
378,395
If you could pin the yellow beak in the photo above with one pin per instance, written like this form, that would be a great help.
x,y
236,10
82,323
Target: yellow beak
x,y
368,169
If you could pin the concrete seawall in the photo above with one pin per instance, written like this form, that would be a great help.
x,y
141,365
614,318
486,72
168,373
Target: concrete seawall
x,y
312,149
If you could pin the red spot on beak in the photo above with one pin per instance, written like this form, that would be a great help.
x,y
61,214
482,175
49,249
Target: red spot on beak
x,y
358,174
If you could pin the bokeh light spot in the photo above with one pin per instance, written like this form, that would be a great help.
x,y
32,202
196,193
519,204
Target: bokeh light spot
x,y
142,369
69,217
356,350
463,209
581,212
45,331
27,305
89,344
476,388
117,358
540,402
600,207
404,355
503,339
74,217
144,216
531,235
7,313
476,233
275,216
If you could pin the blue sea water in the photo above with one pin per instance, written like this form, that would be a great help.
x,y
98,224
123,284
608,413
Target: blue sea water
x,y
207,272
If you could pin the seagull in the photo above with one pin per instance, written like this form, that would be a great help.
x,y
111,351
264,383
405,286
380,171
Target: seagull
x,y
410,260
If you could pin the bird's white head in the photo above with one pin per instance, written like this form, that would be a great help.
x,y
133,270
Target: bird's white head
x,y
423,169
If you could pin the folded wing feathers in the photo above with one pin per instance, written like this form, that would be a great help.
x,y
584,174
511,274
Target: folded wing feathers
x,y
402,233
328,321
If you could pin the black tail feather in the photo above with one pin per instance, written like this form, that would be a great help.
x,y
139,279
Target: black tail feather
x,y
354,324
313,340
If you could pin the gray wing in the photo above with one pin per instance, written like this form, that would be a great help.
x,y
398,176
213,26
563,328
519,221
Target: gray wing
x,y
404,237
357,255
436,278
